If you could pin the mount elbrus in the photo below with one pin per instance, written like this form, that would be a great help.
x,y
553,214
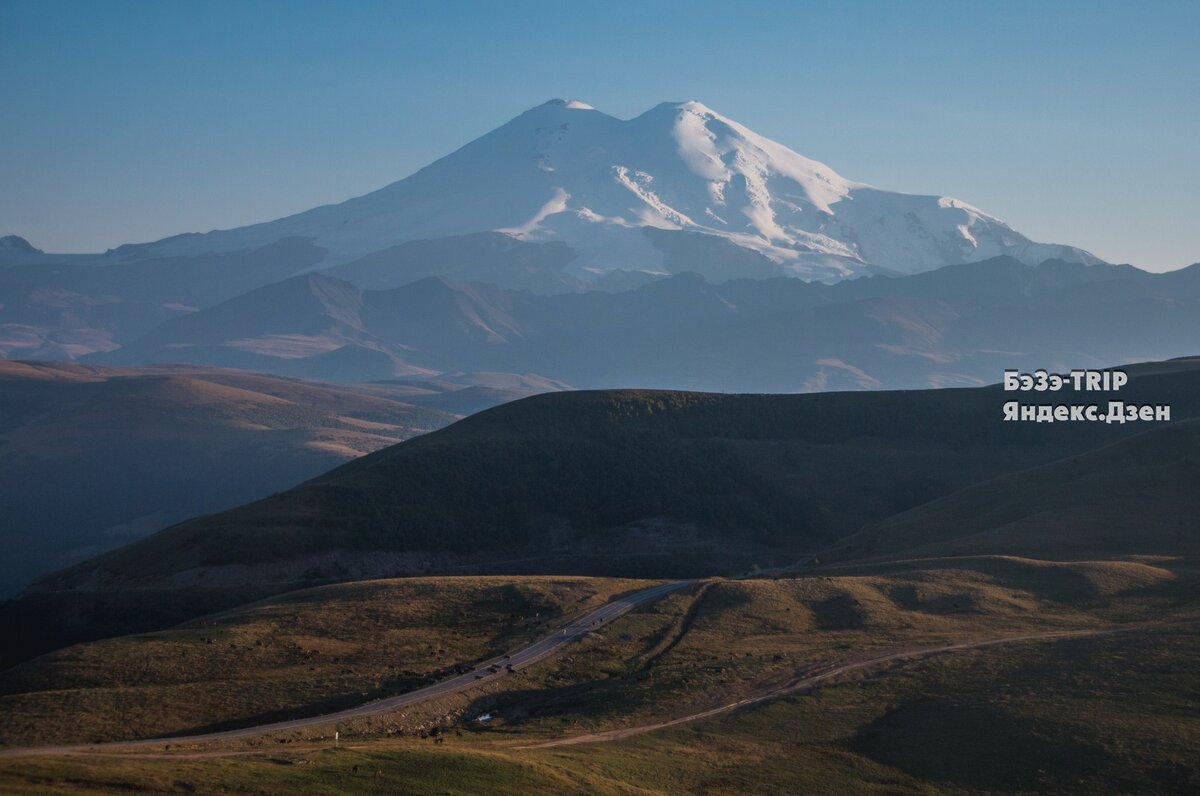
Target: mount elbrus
x,y
678,185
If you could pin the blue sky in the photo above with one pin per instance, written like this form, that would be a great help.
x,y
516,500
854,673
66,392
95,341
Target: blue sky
x,y
129,121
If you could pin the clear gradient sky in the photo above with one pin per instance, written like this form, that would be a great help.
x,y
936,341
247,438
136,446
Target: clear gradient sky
x,y
1076,122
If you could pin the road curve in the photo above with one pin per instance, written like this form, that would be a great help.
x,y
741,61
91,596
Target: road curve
x,y
836,669
486,672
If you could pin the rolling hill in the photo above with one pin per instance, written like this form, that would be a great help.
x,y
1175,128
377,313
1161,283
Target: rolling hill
x,y
91,458
608,482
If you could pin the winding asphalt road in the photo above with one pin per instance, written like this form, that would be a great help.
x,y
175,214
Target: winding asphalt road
x,y
486,672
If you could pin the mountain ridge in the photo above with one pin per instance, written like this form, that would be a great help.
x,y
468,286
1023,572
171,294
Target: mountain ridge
x,y
678,181
958,325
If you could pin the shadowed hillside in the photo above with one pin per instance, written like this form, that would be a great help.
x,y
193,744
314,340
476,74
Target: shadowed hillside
x,y
92,458
625,482
1143,489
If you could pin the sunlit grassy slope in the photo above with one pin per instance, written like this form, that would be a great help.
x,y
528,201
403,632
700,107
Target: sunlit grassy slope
x,y
321,649
304,653
1115,714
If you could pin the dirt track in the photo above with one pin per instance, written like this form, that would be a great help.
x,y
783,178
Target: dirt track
x,y
825,673
835,670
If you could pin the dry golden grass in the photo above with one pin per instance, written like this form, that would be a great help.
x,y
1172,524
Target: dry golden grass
x,y
306,652
693,651
720,641
1092,716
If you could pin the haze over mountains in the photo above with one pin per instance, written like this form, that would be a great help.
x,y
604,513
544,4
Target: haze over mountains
x,y
573,246
573,454
564,249
92,458
959,325
864,524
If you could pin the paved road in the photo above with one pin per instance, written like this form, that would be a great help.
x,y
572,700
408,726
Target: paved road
x,y
484,673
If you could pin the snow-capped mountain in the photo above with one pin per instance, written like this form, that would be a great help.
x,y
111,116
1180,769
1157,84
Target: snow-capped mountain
x,y
678,184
